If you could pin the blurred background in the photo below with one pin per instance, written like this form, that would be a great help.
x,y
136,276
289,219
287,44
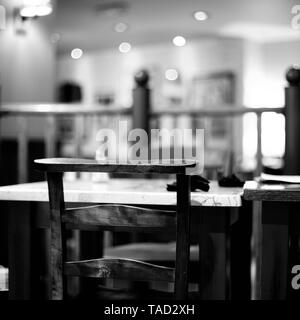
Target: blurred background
x,y
199,55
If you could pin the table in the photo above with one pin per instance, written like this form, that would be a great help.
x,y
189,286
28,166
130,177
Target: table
x,y
127,191
276,235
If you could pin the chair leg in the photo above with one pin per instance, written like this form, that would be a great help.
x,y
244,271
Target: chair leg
x,y
182,237
57,253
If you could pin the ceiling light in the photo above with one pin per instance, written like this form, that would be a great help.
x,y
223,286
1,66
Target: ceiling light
x,y
171,74
28,12
76,53
42,11
200,15
36,8
124,47
120,27
179,41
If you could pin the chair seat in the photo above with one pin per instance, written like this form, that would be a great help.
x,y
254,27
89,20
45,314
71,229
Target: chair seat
x,y
148,251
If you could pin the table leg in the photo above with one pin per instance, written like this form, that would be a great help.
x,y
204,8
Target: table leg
x,y
19,251
205,256
40,254
270,250
240,253
28,240
256,257
293,292
228,215
214,254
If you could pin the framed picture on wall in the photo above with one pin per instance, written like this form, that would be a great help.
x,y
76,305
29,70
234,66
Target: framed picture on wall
x,y
215,91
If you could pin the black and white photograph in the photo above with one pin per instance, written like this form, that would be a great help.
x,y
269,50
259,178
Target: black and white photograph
x,y
150,153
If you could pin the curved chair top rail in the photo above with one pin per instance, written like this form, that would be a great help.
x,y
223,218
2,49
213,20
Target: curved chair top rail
x,y
85,165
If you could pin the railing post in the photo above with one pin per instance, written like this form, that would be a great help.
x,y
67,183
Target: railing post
x,y
50,137
292,122
141,101
79,133
1,155
258,152
22,150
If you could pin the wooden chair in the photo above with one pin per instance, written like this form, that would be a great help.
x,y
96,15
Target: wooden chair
x,y
116,216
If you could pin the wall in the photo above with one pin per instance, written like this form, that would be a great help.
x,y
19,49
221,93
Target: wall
x,y
264,82
111,71
277,58
27,67
260,69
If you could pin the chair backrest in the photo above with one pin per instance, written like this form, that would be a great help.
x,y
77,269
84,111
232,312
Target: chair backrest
x,y
85,165
108,216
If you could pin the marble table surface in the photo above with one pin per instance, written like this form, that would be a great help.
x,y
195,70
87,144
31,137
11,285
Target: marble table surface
x,y
125,191
256,191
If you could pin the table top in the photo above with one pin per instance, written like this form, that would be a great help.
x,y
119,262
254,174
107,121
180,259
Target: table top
x,y
125,191
271,192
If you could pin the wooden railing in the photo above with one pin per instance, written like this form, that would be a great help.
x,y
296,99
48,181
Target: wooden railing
x,y
58,109
223,111
226,111
51,111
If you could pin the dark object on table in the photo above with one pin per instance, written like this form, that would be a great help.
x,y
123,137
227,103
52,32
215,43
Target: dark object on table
x,y
197,183
231,181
